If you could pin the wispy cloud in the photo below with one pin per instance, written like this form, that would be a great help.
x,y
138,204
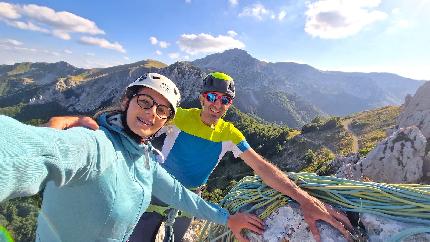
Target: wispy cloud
x,y
206,43
173,55
103,43
158,52
67,51
257,11
333,19
43,19
8,11
26,26
232,33
281,15
13,42
163,44
233,2
155,41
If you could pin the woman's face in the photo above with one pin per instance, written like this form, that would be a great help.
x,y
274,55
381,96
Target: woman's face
x,y
145,122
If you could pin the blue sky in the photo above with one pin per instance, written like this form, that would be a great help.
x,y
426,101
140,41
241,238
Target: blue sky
x,y
350,35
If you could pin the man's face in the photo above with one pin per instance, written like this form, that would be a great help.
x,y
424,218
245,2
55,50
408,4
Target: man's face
x,y
214,106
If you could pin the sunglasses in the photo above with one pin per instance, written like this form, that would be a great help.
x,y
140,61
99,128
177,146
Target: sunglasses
x,y
212,97
146,102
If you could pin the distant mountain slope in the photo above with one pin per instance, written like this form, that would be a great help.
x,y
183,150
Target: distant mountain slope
x,y
283,93
332,92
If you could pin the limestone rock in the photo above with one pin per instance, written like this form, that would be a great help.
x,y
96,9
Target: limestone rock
x,y
381,229
287,224
397,159
417,111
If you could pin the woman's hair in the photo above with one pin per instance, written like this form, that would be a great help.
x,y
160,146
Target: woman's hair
x,y
116,108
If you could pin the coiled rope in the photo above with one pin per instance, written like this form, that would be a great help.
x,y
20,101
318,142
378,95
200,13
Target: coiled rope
x,y
402,202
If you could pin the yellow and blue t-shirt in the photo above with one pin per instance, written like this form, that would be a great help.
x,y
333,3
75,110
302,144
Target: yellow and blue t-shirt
x,y
192,149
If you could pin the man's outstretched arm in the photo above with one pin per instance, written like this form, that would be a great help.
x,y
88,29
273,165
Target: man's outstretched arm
x,y
313,209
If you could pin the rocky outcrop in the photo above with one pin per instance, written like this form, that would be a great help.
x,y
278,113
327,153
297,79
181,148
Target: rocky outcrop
x,y
397,159
416,111
404,156
381,229
287,224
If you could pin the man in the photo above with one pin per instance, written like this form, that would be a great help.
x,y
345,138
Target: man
x,y
196,141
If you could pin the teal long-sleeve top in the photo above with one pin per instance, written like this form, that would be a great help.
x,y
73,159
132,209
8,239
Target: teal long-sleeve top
x,y
97,183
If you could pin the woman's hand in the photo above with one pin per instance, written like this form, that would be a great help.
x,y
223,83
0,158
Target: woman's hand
x,y
239,221
66,122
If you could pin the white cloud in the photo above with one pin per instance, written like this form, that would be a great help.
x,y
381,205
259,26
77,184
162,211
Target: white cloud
x,y
103,43
8,11
233,2
158,52
14,45
11,42
126,58
188,1
43,19
163,44
395,11
187,57
65,21
231,33
257,11
173,55
206,43
61,34
333,19
26,26
153,40
90,54
67,51
281,15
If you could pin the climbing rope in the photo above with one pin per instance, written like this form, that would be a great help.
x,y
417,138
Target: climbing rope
x,y
402,202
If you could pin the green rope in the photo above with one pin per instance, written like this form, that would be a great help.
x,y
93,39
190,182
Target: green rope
x,y
402,202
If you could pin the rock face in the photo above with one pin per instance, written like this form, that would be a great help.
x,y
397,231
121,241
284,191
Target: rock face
x,y
417,111
287,224
381,229
397,159
402,157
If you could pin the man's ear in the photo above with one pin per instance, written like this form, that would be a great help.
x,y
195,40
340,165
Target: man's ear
x,y
201,99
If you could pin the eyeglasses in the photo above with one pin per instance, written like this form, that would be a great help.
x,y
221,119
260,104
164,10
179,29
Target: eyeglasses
x,y
212,97
146,102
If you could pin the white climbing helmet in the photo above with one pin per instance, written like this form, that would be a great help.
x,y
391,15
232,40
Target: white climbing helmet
x,y
162,85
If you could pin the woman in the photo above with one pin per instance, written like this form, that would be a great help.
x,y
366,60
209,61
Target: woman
x,y
98,183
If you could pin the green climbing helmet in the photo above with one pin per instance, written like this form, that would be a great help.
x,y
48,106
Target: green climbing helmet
x,y
219,82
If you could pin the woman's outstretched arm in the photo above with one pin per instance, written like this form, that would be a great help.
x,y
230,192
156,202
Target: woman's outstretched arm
x,y
31,156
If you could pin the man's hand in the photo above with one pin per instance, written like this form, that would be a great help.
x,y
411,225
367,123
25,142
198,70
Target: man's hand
x,y
239,221
314,210
66,122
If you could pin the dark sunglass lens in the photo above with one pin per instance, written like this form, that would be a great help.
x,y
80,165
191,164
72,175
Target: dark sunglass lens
x,y
211,97
225,100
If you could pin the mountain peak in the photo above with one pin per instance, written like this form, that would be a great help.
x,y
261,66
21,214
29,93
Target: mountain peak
x,y
226,60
